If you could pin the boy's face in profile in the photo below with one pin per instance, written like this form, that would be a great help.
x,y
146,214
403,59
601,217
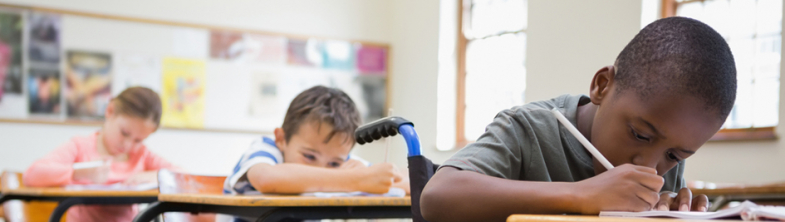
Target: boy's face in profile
x,y
657,132
308,146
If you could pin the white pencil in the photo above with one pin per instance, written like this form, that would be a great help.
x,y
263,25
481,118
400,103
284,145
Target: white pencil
x,y
582,139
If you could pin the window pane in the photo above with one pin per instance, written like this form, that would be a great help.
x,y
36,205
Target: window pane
x,y
766,102
490,17
769,17
692,10
715,14
495,79
753,29
743,19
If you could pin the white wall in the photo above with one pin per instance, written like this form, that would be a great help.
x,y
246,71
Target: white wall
x,y
568,41
198,151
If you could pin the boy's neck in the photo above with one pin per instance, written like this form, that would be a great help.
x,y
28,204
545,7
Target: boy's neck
x,y
585,118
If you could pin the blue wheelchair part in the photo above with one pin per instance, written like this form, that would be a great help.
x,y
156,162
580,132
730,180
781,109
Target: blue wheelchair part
x,y
388,127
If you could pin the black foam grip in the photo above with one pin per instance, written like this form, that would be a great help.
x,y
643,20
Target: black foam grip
x,y
378,129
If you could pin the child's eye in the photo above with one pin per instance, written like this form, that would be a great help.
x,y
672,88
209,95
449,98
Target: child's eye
x,y
335,164
125,134
672,156
639,137
309,157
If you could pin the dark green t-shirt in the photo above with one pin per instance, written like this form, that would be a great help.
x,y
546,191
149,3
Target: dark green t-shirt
x,y
528,143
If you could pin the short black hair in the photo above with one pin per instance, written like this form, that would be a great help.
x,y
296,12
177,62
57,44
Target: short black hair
x,y
322,105
679,55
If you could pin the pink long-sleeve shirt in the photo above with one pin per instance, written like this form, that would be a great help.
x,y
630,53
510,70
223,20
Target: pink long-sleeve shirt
x,y
55,169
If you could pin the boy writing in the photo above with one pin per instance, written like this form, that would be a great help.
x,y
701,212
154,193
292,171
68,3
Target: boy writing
x,y
310,152
670,89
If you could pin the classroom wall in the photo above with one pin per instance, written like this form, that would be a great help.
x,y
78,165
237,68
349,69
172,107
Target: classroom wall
x,y
201,151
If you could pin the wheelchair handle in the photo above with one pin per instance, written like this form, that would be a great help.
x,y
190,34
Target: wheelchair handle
x,y
388,127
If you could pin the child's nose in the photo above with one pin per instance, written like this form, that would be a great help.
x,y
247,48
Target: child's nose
x,y
127,145
647,160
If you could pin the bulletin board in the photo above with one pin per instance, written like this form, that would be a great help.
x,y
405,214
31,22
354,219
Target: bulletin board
x,y
63,67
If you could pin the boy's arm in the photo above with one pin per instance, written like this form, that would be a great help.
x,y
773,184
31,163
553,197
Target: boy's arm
x,y
297,178
457,195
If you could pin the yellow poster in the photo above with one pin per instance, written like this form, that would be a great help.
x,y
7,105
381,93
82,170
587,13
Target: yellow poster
x,y
183,93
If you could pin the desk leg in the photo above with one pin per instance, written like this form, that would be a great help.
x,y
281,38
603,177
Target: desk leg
x,y
62,207
308,213
152,212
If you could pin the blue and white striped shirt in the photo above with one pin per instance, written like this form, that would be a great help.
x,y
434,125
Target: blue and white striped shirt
x,y
262,150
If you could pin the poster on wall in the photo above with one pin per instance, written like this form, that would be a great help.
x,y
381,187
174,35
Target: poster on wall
x,y
339,55
368,92
43,86
301,52
88,78
183,93
10,53
12,100
226,45
374,94
266,49
264,95
44,44
244,47
372,60
136,69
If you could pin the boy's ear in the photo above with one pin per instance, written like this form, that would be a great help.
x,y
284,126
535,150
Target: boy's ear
x,y
601,84
280,137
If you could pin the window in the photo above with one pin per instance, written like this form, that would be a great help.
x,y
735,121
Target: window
x,y
753,30
490,55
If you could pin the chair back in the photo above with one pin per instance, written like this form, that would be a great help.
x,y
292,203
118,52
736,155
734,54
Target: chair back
x,y
170,182
11,180
23,211
174,182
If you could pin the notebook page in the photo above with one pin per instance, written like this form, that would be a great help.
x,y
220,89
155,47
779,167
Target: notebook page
x,y
730,212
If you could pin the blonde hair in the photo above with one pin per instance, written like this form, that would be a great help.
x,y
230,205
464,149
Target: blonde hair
x,y
139,102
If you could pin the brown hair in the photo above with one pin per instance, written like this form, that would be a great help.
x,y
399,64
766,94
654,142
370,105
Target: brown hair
x,y
324,105
139,102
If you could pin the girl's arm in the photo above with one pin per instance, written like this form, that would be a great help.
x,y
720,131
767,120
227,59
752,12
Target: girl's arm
x,y
54,169
154,162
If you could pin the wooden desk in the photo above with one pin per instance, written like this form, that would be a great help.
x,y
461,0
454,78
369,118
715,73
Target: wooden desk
x,y
277,207
556,218
13,189
722,195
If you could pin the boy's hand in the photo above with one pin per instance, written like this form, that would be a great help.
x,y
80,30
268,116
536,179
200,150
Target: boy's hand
x,y
624,188
378,178
404,182
683,201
